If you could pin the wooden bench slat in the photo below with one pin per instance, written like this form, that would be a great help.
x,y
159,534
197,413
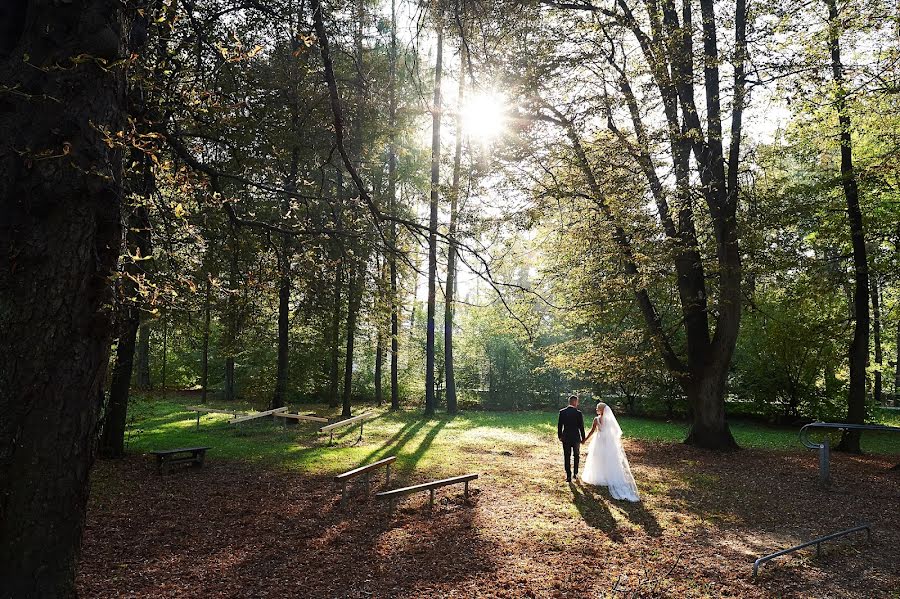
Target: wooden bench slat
x,y
427,486
341,423
362,469
258,415
300,417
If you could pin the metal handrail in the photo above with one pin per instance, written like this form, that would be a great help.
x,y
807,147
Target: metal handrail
x,y
841,426
817,542
824,447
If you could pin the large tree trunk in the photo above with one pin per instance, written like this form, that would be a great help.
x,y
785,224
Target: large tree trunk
x,y
449,375
142,358
433,222
859,346
60,235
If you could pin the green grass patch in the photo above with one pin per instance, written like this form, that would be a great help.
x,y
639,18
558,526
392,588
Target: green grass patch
x,y
439,444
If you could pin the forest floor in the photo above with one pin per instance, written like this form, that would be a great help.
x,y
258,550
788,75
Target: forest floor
x,y
262,518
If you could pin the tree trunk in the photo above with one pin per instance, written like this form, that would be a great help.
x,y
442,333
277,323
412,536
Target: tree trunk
x,y
60,235
897,367
284,296
165,355
231,329
137,243
449,375
333,380
859,347
433,222
354,297
379,360
143,358
392,208
204,359
876,332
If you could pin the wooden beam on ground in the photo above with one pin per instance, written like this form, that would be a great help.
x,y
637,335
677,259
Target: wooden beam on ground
x,y
258,415
366,472
348,421
366,468
304,417
392,495
216,411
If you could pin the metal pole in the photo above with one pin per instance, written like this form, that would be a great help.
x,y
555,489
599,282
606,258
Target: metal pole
x,y
824,463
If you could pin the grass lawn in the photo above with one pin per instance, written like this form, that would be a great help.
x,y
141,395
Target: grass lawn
x,y
440,443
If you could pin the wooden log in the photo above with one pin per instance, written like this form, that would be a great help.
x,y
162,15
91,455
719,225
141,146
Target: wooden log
x,y
368,467
258,415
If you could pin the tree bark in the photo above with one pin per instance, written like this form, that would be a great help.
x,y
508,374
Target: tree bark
x,y
60,235
859,346
433,222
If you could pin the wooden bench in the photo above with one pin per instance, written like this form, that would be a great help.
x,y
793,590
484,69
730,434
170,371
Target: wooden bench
x,y
256,415
182,455
203,410
430,487
299,417
360,419
366,471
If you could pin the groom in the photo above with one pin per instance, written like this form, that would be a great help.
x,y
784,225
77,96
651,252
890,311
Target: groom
x,y
570,430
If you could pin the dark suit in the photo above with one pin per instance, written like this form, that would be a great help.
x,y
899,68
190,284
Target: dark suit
x,y
570,430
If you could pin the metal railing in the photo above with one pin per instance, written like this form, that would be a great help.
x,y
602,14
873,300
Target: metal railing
x,y
825,448
817,542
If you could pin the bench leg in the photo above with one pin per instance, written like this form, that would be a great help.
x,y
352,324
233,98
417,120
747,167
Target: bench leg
x,y
431,498
387,477
360,432
366,483
198,421
391,505
466,492
343,493
331,439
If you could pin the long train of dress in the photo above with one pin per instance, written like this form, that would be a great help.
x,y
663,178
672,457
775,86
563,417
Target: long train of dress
x,y
606,463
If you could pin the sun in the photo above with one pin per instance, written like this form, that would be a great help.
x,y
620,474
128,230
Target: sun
x,y
484,116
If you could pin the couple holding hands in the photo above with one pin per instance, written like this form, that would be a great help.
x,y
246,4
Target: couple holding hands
x,y
606,463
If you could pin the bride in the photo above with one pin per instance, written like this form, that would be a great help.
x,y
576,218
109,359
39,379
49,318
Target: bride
x,y
606,464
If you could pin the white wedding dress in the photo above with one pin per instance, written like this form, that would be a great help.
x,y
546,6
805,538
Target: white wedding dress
x,y
606,464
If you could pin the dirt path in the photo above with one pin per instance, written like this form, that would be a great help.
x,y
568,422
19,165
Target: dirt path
x,y
235,530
